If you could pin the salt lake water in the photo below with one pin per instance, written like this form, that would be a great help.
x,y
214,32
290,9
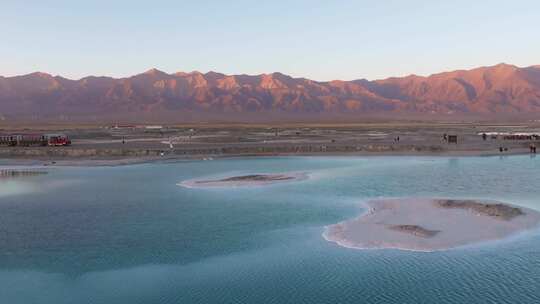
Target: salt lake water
x,y
130,234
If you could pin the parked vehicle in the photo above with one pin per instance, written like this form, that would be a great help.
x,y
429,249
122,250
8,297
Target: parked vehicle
x,y
58,140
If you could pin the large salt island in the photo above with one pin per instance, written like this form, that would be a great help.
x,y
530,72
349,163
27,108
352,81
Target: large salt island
x,y
246,180
431,224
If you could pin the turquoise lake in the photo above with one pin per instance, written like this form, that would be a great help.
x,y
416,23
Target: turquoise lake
x,y
130,234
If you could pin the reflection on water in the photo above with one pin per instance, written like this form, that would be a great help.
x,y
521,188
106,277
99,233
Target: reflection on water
x,y
12,187
13,173
17,180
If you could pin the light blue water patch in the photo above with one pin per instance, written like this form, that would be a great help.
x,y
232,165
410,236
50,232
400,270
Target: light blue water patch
x,y
130,234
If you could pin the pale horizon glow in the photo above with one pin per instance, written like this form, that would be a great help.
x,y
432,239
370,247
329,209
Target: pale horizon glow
x,y
320,40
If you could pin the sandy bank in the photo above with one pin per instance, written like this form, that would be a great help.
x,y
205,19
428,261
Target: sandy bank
x,y
431,224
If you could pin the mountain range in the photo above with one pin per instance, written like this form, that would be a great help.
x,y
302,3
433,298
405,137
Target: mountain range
x,y
500,89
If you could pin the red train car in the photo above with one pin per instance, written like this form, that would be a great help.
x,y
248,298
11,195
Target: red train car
x,y
58,140
27,140
8,140
24,140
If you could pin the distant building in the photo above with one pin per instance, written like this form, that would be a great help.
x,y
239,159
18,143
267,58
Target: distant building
x,y
123,127
155,127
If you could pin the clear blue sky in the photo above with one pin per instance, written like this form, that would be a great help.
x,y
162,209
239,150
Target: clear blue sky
x,y
317,39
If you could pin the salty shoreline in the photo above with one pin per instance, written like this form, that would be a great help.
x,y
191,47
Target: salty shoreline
x,y
116,161
111,146
428,225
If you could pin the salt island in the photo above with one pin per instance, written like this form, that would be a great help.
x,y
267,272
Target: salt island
x,y
246,180
431,224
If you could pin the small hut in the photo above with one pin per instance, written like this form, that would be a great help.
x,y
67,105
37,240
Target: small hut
x,y
452,139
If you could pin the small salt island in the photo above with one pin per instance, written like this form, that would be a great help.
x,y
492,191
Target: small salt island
x,y
246,180
431,224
